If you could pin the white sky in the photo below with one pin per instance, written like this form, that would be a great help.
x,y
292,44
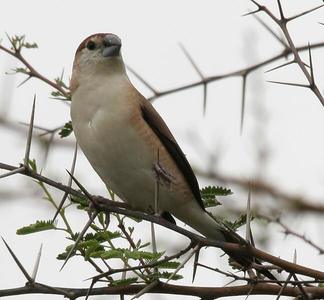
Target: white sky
x,y
219,40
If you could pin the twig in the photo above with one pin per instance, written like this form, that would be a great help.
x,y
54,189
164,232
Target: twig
x,y
235,73
197,291
32,71
282,23
289,231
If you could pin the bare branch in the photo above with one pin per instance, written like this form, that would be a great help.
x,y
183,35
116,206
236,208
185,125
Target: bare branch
x,y
191,254
290,83
289,231
235,73
15,171
304,13
195,265
163,288
32,71
146,289
280,66
282,16
191,60
141,79
282,22
301,288
311,65
278,38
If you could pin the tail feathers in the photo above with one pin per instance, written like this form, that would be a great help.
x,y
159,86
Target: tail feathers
x,y
244,260
210,228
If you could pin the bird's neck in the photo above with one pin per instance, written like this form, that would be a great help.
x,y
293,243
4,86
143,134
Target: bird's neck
x,y
110,69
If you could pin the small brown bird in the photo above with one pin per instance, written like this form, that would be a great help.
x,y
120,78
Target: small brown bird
x,y
128,143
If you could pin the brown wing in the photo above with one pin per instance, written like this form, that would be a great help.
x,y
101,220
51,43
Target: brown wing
x,y
159,127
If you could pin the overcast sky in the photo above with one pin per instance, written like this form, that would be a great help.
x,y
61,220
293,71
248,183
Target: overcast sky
x,y
287,121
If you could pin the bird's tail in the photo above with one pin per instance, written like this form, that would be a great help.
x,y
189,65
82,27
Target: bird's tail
x,y
206,225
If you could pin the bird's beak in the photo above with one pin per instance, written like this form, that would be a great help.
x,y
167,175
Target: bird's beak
x,y
112,45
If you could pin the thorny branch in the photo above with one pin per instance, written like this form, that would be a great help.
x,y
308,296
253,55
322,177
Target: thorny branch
x,y
288,231
255,285
32,72
106,205
282,23
168,289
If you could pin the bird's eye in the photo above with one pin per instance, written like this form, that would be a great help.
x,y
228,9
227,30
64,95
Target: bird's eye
x,y
91,45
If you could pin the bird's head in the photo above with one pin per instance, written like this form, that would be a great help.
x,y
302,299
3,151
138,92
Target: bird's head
x,y
98,54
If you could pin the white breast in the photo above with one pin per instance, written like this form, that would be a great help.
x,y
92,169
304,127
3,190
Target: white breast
x,y
101,122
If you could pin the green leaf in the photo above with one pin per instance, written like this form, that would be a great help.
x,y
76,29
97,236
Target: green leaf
x,y
213,191
18,42
144,245
165,275
59,81
142,255
25,71
209,193
237,223
60,96
64,255
66,130
168,265
92,249
30,45
88,243
36,227
101,218
104,236
32,164
82,201
95,227
137,220
126,281
113,253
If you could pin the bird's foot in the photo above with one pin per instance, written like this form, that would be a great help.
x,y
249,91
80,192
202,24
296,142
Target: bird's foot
x,y
163,176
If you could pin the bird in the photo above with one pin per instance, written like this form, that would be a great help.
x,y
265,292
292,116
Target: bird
x,y
128,143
